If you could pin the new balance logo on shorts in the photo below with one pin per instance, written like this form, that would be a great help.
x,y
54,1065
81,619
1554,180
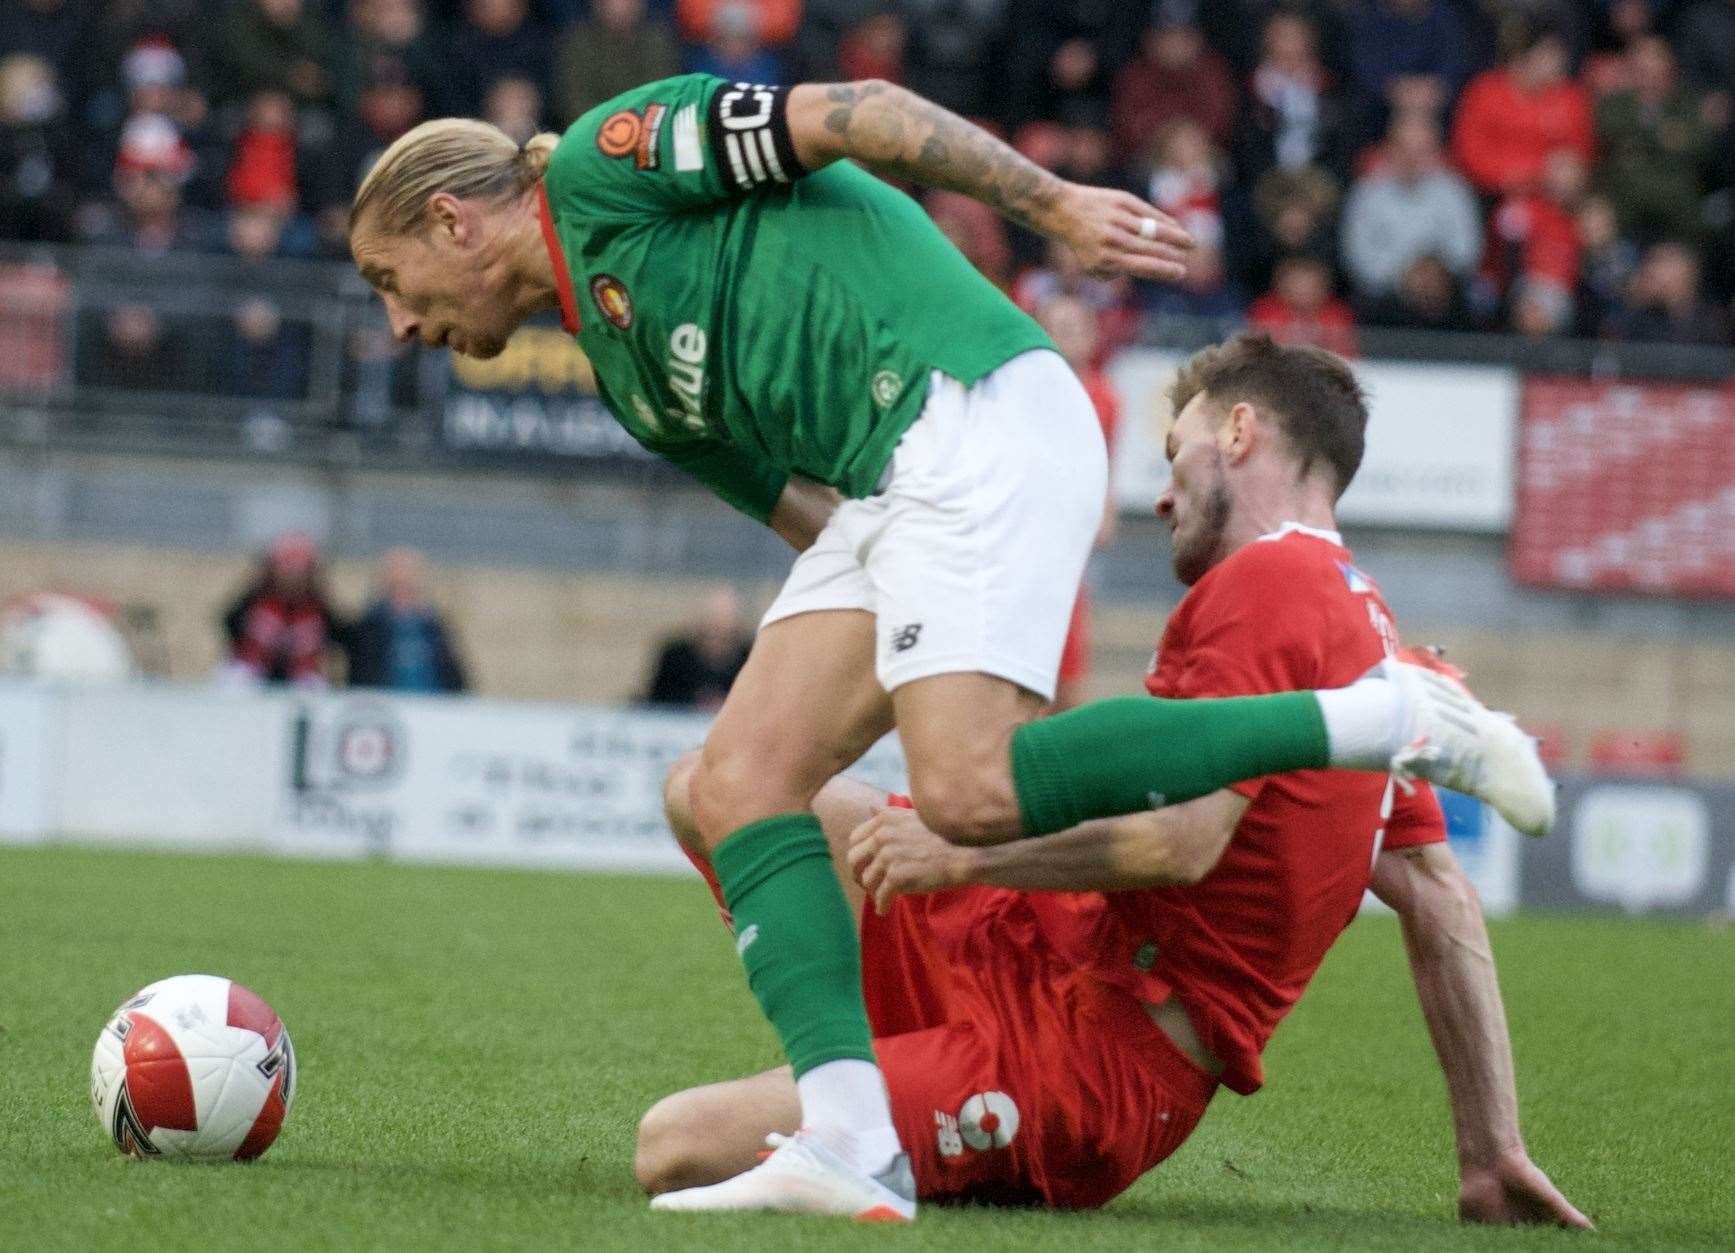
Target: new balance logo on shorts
x,y
906,637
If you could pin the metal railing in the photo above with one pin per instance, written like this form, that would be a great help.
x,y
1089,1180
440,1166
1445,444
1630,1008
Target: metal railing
x,y
190,354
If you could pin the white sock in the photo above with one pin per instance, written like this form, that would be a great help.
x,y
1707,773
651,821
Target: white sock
x,y
846,1102
1364,723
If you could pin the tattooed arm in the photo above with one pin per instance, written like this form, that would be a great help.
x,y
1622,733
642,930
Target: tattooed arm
x,y
899,134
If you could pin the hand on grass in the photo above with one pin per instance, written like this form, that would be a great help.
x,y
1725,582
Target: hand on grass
x,y
1513,1190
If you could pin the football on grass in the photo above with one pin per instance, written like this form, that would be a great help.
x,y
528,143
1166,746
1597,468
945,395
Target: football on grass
x,y
194,1067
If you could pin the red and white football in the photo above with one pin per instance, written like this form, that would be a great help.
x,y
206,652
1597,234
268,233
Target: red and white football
x,y
193,1067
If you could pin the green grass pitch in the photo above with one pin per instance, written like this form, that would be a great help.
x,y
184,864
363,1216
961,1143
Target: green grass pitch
x,y
476,1047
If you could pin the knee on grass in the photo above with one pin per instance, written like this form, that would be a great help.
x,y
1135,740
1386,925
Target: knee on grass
x,y
669,1154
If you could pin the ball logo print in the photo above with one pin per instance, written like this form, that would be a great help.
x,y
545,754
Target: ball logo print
x,y
988,1120
195,1067
887,386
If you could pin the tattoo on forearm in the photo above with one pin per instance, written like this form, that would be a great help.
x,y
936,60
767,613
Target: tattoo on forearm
x,y
898,132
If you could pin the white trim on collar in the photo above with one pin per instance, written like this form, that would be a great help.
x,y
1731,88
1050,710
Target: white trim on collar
x,y
1290,528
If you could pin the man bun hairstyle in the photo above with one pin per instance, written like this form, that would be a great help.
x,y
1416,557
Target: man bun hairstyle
x,y
1310,394
464,158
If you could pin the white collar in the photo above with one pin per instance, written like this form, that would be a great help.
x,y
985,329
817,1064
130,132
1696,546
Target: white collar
x,y
1290,528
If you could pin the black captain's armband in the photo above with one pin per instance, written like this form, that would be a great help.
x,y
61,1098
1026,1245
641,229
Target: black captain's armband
x,y
749,126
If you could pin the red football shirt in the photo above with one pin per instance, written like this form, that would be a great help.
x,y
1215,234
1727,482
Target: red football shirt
x,y
1285,613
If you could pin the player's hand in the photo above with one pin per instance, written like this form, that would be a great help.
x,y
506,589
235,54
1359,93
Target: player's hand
x,y
892,854
1512,1190
1103,227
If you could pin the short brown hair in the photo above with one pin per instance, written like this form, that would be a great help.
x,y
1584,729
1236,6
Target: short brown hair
x,y
1310,393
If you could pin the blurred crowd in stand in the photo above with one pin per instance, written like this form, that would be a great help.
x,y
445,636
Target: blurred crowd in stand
x,y
283,628
1545,167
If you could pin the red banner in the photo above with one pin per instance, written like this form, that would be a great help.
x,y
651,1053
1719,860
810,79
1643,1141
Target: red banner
x,y
1626,487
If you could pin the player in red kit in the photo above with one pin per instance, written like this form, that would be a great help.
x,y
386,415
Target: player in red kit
x,y
1054,1015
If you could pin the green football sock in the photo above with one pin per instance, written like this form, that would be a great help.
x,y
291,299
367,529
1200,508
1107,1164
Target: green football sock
x,y
796,938
1134,753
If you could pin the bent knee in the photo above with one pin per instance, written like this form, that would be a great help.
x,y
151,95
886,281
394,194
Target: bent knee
x,y
666,1153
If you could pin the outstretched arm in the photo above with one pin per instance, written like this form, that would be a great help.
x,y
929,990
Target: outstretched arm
x,y
899,134
1453,967
893,854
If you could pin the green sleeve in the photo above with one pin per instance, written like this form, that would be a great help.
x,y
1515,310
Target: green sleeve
x,y
673,145
748,483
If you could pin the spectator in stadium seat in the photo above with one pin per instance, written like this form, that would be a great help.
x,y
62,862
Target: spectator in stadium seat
x,y
695,670
618,47
1404,55
151,74
874,47
1609,68
382,34
1290,117
495,39
282,629
1512,117
1533,234
1300,308
1207,295
1410,204
1656,142
1664,301
1428,297
133,347
148,214
774,22
734,49
1187,178
387,105
951,57
1606,266
1292,212
257,353
1540,307
515,106
37,152
284,45
1174,76
1058,50
401,642
263,169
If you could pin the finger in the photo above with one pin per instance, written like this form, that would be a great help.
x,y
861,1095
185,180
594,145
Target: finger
x,y
861,848
1166,232
1156,269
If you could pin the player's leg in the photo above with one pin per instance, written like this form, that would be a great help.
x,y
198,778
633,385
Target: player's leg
x,y
842,805
804,708
706,1135
994,502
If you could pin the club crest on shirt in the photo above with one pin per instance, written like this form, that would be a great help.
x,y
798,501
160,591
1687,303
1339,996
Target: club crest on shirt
x,y
611,297
630,133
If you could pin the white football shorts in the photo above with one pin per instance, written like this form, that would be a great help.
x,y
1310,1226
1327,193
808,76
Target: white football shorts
x,y
970,555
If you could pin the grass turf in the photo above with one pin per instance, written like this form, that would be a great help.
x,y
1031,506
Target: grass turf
x,y
476,1047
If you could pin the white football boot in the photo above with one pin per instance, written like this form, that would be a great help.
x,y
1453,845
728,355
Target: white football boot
x,y
802,1176
1457,742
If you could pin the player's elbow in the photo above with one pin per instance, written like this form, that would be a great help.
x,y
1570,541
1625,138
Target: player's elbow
x,y
1186,862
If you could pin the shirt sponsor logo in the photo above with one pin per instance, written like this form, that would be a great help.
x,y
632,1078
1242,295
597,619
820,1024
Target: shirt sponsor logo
x,y
689,152
687,374
612,298
988,1120
887,387
627,133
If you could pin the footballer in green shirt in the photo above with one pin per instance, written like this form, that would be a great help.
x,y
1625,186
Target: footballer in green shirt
x,y
766,313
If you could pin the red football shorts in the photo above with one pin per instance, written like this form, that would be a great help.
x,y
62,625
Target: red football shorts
x,y
1016,1078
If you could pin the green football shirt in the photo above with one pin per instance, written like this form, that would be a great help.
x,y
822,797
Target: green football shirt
x,y
748,321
